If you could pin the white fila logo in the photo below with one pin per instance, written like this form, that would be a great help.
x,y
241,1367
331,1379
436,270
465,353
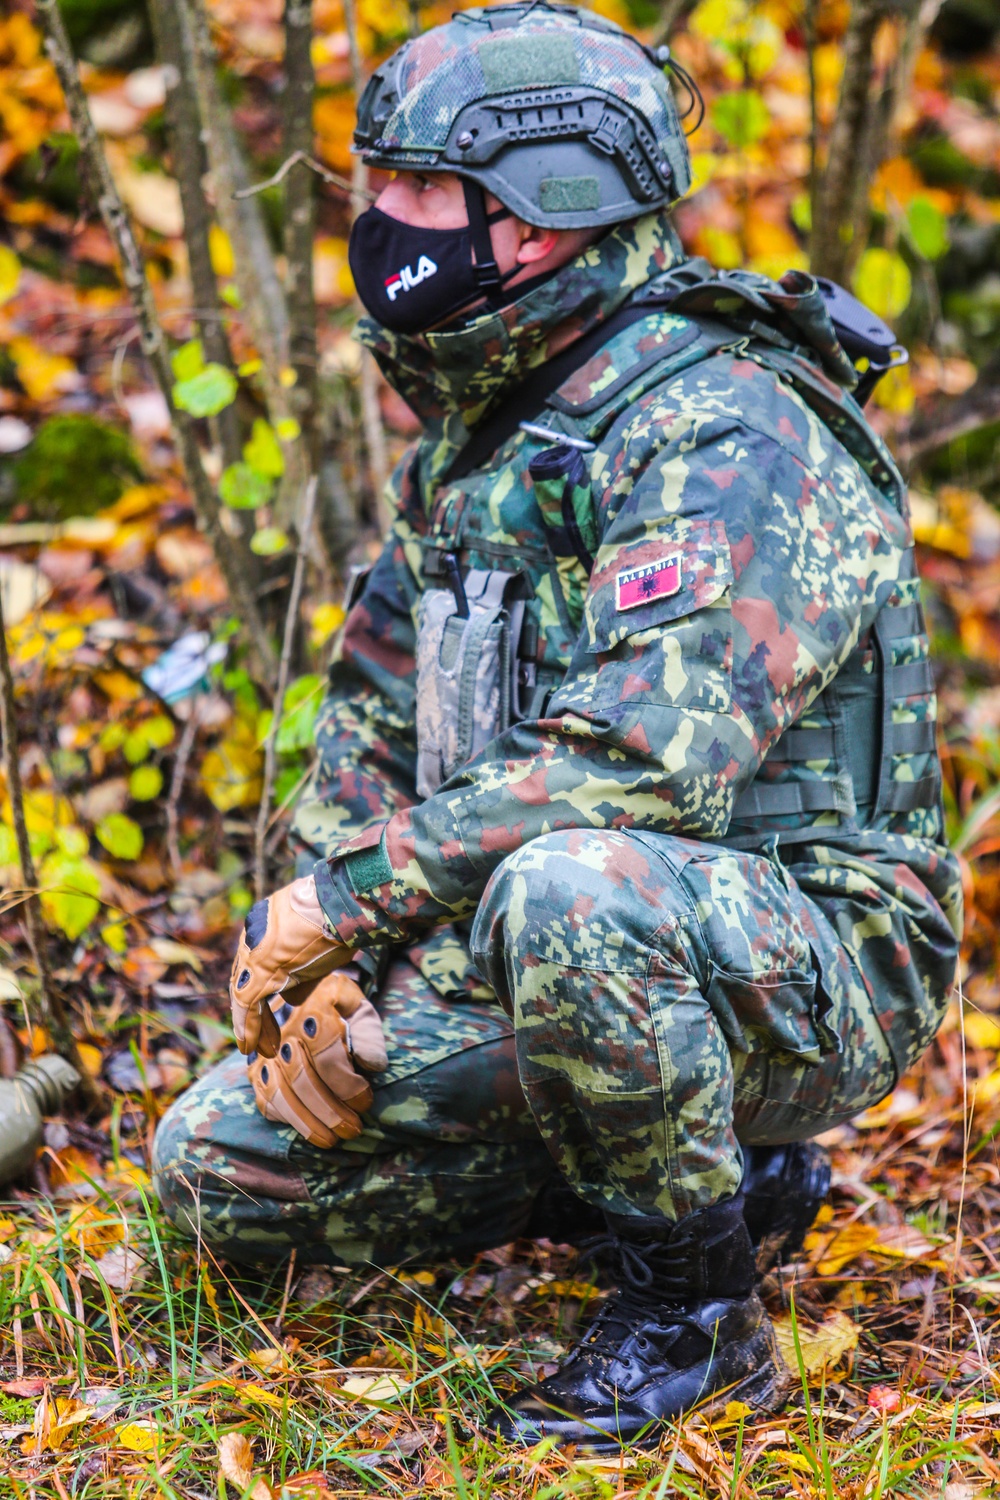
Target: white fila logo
x,y
404,280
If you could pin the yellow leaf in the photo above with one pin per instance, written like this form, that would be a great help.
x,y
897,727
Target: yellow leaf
x,y
91,1057
287,377
832,1251
10,273
116,937
237,1465
137,1437
981,1030
44,812
582,1290
137,500
897,183
895,393
417,1278
93,1229
129,1175
822,1348
717,18
209,1290
425,1322
221,251
372,1390
703,164
8,1229
721,246
329,266
55,1420
883,282
42,374
987,1089
268,1359
231,775
327,619
254,1392
797,1461
118,686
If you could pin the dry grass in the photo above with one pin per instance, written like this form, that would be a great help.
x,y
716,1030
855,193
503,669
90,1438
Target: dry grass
x,y
133,1364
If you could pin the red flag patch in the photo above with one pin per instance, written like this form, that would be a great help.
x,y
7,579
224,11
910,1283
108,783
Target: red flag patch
x,y
657,580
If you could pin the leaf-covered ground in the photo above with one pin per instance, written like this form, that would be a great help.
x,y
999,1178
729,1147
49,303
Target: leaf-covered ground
x,y
134,1363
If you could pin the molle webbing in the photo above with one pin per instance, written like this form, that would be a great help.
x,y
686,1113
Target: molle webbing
x,y
860,704
765,798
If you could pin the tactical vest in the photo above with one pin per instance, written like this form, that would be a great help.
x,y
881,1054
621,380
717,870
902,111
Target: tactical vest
x,y
864,754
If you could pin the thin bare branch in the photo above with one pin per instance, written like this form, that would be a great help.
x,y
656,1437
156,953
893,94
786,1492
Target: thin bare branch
x,y
333,178
833,223
300,223
256,272
119,227
809,28
291,623
181,762
671,12
187,152
371,412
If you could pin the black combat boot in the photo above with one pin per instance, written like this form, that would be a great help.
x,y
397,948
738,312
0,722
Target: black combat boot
x,y
684,1324
784,1188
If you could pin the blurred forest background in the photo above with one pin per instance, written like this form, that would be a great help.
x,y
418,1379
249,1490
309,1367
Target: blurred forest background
x,y
192,453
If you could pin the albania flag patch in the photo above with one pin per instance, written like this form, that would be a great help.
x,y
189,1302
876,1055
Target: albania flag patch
x,y
656,580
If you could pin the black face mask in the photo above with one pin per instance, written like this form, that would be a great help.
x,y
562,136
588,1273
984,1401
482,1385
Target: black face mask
x,y
410,279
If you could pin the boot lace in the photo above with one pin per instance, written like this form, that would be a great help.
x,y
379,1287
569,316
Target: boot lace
x,y
647,1287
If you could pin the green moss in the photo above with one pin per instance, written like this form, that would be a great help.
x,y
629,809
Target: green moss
x,y
74,466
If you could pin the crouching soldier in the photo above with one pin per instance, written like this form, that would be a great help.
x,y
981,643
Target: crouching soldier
x,y
621,866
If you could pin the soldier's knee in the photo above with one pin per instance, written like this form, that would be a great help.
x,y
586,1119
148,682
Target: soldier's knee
x,y
579,897
172,1168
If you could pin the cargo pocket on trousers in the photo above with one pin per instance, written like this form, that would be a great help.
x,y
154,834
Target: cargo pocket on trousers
x,y
775,1009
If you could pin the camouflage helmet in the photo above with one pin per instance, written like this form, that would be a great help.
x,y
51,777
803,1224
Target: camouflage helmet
x,y
559,113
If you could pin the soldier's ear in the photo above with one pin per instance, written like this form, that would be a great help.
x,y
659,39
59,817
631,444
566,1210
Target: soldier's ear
x,y
536,244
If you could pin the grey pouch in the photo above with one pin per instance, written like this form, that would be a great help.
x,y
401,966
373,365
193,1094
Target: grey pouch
x,y
467,677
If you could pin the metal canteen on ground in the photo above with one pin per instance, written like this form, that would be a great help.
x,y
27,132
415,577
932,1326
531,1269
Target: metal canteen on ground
x,y
39,1088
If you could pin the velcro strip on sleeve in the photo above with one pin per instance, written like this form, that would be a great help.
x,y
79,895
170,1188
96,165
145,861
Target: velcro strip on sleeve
x,y
368,868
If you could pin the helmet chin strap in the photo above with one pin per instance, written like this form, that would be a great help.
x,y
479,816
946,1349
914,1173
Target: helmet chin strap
x,y
489,278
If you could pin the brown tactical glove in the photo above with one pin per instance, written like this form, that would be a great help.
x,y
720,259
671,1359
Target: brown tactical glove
x,y
312,1083
285,942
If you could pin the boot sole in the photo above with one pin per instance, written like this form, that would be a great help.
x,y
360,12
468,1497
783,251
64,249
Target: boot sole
x,y
765,1390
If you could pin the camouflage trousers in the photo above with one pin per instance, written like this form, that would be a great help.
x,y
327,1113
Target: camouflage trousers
x,y
660,1001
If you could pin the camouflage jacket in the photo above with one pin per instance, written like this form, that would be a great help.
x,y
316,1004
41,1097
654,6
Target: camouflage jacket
x,y
703,712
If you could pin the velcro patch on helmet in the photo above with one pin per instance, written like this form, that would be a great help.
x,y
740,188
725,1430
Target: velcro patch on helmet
x,y
657,580
569,195
521,62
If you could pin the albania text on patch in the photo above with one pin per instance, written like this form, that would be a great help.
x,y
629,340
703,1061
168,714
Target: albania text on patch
x,y
656,580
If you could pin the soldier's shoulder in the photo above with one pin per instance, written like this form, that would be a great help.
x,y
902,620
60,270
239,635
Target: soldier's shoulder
x,y
661,376
731,398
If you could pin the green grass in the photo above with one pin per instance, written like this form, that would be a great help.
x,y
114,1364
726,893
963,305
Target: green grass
x,y
198,1351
